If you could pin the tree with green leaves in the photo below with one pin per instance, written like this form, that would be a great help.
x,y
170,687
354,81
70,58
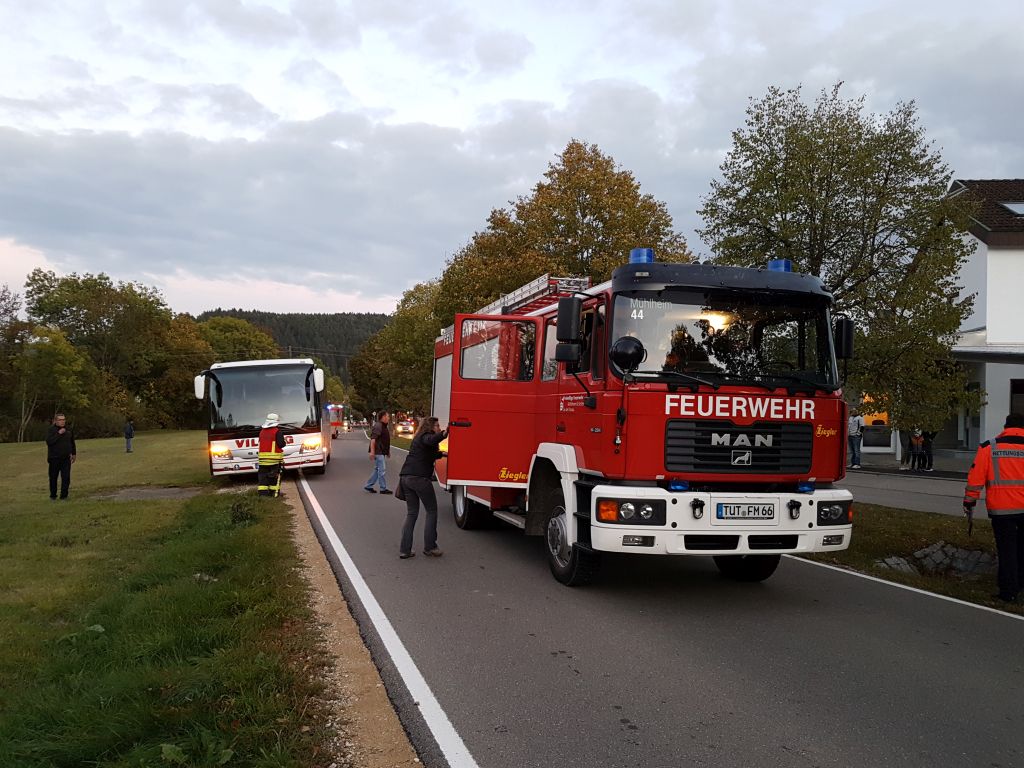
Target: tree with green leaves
x,y
859,200
234,339
582,219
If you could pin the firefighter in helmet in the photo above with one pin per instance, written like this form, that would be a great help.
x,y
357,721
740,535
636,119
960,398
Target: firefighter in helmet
x,y
271,457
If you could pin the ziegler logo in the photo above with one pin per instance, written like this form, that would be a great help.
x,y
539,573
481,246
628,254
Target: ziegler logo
x,y
826,432
741,441
512,477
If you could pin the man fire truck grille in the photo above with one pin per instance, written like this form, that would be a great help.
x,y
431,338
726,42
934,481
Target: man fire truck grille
x,y
723,447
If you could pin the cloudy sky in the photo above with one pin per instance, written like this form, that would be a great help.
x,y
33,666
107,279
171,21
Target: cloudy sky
x,y
324,155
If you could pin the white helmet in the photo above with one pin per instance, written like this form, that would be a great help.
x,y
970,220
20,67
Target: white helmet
x,y
272,419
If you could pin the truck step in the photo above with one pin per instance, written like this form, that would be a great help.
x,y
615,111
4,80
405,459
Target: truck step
x,y
519,521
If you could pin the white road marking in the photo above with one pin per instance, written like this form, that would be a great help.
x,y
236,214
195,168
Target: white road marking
x,y
440,726
850,572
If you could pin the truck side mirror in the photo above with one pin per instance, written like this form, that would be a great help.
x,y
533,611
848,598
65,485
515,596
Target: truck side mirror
x,y
568,353
844,338
570,310
318,379
199,383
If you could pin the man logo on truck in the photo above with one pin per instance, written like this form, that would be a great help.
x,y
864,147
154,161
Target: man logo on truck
x,y
741,441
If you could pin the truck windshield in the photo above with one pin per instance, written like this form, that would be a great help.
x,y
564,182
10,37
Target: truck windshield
x,y
247,395
730,336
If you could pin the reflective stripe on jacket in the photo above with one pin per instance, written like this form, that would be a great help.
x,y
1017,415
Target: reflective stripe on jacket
x,y
998,469
271,450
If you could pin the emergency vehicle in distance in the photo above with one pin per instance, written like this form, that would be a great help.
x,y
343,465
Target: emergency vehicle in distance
x,y
242,393
677,409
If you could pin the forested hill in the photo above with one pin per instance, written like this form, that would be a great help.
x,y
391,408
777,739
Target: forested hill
x,y
333,338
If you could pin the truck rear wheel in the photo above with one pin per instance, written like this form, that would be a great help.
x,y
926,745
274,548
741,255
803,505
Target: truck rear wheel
x,y
469,514
747,567
569,564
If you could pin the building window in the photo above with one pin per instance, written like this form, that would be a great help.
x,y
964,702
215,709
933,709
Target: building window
x,y
1016,395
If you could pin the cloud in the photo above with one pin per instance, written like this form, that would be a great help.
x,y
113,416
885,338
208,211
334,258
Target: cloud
x,y
502,52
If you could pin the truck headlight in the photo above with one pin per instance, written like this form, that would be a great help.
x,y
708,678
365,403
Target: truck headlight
x,y
632,511
834,513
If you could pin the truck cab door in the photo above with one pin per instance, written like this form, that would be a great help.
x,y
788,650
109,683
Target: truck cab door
x,y
495,366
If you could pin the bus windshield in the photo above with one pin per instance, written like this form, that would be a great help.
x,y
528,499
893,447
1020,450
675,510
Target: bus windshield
x,y
730,336
246,395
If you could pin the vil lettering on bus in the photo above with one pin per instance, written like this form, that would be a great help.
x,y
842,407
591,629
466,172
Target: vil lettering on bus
x,y
733,407
826,432
248,442
512,477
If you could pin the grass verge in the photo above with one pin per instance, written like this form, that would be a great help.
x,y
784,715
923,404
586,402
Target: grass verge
x,y
880,532
150,633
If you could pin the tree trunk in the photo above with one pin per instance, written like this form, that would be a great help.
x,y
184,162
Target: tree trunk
x,y
27,409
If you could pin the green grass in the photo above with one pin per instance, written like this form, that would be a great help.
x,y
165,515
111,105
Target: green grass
x,y
150,633
880,532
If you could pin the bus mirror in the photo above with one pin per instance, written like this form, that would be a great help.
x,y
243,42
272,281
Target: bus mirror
x,y
318,379
568,353
627,353
200,386
570,310
844,338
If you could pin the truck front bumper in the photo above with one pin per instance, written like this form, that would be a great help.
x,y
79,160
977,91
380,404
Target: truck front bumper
x,y
703,523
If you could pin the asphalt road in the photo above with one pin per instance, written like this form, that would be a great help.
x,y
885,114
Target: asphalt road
x,y
923,493
664,663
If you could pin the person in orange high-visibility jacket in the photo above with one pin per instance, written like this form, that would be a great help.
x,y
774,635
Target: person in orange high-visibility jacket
x,y
998,469
270,457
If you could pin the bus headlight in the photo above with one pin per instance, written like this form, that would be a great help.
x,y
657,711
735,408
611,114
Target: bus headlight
x,y
311,443
220,451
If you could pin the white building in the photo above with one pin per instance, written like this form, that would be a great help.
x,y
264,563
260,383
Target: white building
x,y
991,342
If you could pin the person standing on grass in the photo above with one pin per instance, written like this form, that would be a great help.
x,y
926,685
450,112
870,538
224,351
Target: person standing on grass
x,y
417,482
929,450
854,435
998,469
129,434
380,452
60,454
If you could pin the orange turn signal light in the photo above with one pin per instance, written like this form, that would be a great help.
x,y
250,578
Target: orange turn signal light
x,y
607,510
849,514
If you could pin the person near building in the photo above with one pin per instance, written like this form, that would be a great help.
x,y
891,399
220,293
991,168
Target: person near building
x,y
129,434
998,470
929,449
60,455
917,451
417,480
854,436
380,452
270,459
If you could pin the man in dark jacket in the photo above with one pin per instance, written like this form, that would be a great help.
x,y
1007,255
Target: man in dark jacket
x,y
61,454
129,433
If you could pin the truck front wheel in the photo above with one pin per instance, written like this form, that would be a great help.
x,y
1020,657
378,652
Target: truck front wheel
x,y
570,564
747,567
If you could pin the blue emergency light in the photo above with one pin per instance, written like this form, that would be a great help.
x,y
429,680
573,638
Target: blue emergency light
x,y
780,265
641,256
678,485
805,486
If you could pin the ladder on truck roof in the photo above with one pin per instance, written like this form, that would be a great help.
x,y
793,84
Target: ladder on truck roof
x,y
536,294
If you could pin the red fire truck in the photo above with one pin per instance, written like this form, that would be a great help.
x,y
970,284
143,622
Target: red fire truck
x,y
677,409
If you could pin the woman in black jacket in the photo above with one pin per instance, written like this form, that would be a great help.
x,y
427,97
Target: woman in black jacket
x,y
417,479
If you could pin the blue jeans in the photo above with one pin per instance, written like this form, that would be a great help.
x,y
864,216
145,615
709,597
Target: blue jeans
x,y
127,445
379,473
854,441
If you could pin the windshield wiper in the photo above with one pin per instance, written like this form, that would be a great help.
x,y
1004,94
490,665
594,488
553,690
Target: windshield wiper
x,y
749,380
676,374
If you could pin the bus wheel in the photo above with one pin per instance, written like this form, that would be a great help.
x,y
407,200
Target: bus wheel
x,y
747,567
468,513
569,564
